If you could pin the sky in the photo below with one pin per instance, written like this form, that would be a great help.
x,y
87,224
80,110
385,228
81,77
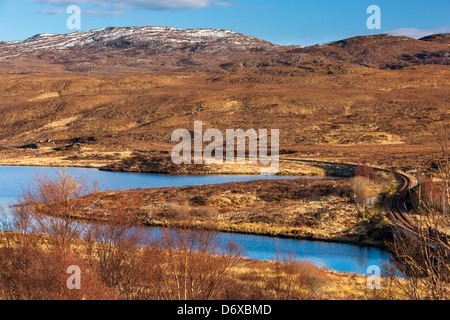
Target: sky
x,y
286,22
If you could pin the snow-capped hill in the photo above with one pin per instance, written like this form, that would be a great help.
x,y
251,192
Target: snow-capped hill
x,y
209,40
114,49
148,49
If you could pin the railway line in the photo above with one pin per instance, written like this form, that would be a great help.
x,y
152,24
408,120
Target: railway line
x,y
395,206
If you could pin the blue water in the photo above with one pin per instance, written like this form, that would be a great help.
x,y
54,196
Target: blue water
x,y
336,256
14,179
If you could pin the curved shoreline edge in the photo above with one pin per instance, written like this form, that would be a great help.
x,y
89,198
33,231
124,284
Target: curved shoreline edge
x,y
264,234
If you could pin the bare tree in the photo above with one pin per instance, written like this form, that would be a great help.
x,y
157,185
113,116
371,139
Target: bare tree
x,y
46,208
189,264
113,249
424,258
30,271
361,189
423,254
293,277
444,171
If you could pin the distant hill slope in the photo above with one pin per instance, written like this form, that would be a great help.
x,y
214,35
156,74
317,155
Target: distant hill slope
x,y
441,37
382,51
150,49
89,98
159,39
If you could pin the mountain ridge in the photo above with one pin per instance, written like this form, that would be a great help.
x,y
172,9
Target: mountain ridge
x,y
370,98
128,49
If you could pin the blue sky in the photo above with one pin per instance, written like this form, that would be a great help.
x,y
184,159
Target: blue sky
x,y
303,22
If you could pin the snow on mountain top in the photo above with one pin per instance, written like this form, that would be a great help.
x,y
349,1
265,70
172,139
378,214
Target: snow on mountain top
x,y
157,39
138,34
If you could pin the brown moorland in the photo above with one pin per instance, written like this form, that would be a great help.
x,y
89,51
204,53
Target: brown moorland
x,y
378,99
390,117
295,208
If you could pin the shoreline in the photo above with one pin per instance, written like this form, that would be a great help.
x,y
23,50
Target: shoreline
x,y
230,229
281,236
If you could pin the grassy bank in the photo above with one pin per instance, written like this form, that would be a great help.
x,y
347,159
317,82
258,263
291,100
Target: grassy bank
x,y
298,208
34,267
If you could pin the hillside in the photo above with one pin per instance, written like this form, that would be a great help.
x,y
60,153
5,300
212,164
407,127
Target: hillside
x,y
92,98
133,49
441,38
150,49
385,51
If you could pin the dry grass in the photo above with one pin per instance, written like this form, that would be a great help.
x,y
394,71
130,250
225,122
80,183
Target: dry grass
x,y
294,208
248,279
367,115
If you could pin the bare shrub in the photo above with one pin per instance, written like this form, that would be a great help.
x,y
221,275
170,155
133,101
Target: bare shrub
x,y
40,240
189,264
113,250
46,208
366,172
423,256
116,263
250,285
28,271
292,277
316,282
174,211
361,189
120,261
204,212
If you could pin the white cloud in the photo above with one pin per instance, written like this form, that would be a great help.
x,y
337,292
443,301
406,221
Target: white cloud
x,y
50,11
92,12
417,33
95,12
141,4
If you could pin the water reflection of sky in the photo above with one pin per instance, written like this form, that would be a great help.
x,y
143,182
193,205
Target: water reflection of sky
x,y
337,256
14,179
340,257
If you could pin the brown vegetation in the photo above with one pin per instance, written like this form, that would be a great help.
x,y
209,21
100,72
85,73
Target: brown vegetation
x,y
295,208
188,262
383,117
122,263
423,257
423,253
336,102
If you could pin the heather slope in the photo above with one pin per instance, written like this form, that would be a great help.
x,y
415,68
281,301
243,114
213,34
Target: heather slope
x,y
93,98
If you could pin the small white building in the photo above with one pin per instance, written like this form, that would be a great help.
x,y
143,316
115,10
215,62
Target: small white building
x,y
371,201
